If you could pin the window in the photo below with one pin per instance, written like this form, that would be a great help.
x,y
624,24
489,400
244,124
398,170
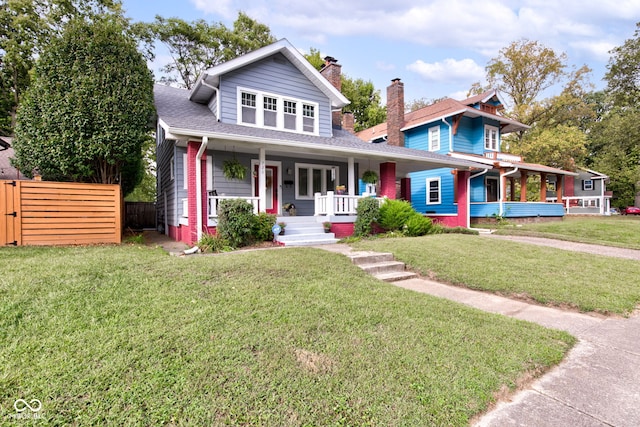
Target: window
x,y
308,118
290,115
270,109
491,138
433,191
434,138
248,108
311,179
587,185
273,111
172,168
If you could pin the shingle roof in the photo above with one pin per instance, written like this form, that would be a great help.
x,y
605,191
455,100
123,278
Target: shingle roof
x,y
7,171
183,116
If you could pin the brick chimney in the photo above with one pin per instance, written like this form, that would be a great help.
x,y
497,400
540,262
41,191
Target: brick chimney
x,y
348,122
332,71
395,113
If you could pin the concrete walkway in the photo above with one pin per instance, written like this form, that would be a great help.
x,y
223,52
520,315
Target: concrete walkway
x,y
597,384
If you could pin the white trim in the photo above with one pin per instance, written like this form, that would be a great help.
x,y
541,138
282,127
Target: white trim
x,y
259,111
428,195
185,174
278,179
434,130
209,172
493,130
172,168
310,190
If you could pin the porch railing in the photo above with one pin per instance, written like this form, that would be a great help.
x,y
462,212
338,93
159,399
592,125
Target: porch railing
x,y
337,204
214,203
578,204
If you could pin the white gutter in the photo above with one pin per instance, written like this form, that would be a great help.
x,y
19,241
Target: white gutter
x,y
201,150
450,134
504,190
217,91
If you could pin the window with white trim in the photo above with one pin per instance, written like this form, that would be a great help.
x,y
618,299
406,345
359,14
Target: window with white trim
x,y
434,138
273,111
433,191
248,102
587,185
311,179
491,138
172,168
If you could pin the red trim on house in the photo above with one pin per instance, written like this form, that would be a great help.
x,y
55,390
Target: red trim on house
x,y
387,180
192,152
463,198
446,220
569,187
342,230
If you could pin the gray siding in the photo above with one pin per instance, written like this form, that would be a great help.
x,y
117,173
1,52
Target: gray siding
x,y
278,76
165,149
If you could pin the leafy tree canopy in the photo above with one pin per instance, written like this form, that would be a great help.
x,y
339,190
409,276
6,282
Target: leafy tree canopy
x,y
87,113
198,45
623,75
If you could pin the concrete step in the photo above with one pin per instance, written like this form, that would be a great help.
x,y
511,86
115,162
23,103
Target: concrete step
x,y
371,258
396,276
383,267
306,239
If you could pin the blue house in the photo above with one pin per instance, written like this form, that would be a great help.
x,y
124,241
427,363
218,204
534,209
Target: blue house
x,y
272,115
467,130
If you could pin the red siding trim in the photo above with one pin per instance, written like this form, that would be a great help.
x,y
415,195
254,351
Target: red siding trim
x,y
388,180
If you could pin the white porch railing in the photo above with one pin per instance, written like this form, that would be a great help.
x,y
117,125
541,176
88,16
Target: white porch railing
x,y
581,204
214,202
336,204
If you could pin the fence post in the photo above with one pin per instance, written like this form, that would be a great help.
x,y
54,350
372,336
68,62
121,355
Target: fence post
x,y
331,201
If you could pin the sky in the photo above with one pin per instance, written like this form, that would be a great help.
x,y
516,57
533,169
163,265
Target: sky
x,y
437,48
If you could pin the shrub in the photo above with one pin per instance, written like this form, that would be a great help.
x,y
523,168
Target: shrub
x,y
214,243
262,224
235,222
417,225
394,214
367,212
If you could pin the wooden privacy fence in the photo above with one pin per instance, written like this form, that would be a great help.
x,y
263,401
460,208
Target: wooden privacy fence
x,y
59,213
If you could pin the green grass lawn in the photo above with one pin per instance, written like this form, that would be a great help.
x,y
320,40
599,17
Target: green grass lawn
x,y
549,276
292,337
619,231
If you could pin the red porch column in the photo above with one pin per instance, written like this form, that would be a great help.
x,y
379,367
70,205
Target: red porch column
x,y
387,180
462,199
192,152
523,186
543,187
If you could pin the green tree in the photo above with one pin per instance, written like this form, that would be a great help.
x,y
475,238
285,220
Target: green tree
x,y
561,146
198,45
86,115
623,72
26,27
365,102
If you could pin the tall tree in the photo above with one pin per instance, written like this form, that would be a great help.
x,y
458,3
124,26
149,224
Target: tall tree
x,y
623,74
198,45
87,113
365,102
26,26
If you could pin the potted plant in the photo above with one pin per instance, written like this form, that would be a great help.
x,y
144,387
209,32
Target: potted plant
x,y
289,208
369,177
233,169
282,225
341,189
327,226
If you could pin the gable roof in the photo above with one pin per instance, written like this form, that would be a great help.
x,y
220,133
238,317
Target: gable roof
x,y
484,98
202,90
183,119
440,110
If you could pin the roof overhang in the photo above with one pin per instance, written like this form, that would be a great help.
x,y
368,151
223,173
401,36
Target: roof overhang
x,y
508,125
521,166
210,79
406,160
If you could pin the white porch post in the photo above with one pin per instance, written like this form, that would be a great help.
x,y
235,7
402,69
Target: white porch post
x,y
262,180
351,185
331,201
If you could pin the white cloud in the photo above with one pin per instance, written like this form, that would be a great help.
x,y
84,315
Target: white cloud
x,y
449,70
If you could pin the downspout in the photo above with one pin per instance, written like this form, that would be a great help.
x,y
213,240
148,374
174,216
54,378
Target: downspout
x,y
201,150
450,135
204,83
502,176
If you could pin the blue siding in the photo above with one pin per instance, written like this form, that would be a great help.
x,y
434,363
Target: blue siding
x,y
469,136
517,209
418,138
477,191
419,192
278,76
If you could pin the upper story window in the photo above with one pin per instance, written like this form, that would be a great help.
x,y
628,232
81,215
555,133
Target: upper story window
x,y
273,111
587,185
491,138
434,138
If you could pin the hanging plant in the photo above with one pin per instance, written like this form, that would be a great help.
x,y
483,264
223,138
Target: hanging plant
x,y
369,177
233,169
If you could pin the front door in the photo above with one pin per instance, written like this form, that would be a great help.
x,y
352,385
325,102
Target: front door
x,y
271,178
492,189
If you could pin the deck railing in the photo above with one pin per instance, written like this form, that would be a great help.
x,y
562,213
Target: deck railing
x,y
337,204
581,204
214,203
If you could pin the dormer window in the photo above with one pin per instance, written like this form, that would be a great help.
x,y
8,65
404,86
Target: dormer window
x,y
491,138
277,112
